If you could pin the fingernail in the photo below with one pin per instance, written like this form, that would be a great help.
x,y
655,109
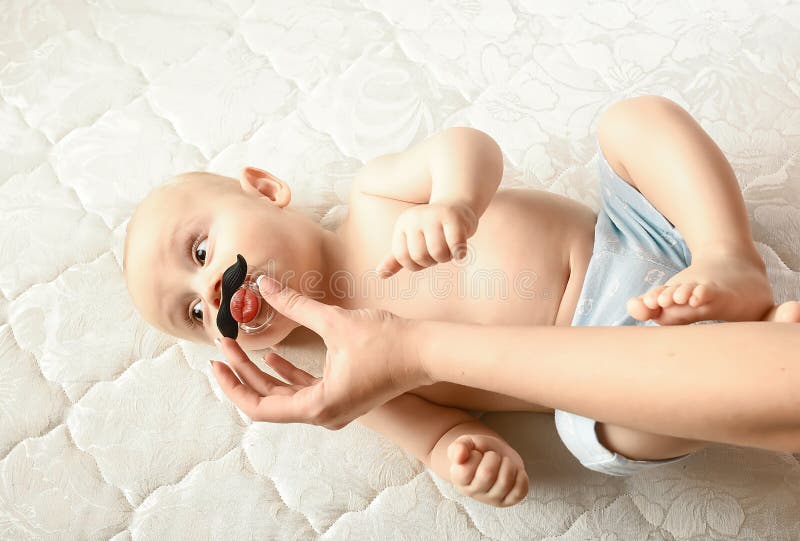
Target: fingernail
x,y
218,343
269,285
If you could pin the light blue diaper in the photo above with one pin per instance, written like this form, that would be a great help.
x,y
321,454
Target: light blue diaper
x,y
635,249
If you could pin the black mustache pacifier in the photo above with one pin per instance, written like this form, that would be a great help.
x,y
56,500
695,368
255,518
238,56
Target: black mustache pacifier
x,y
242,306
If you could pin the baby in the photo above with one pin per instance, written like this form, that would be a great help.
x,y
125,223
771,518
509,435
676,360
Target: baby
x,y
671,245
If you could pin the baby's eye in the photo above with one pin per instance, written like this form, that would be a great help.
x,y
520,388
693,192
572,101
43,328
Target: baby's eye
x,y
197,311
200,251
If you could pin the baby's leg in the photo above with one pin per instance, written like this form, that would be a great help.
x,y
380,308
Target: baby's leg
x,y
658,148
639,445
788,312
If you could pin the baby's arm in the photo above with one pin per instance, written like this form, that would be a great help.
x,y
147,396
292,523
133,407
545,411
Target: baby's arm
x,y
452,176
457,163
456,446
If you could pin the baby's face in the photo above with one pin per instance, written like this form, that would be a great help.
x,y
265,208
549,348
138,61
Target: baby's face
x,y
182,237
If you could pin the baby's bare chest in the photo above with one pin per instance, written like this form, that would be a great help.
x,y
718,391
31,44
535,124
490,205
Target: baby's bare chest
x,y
515,272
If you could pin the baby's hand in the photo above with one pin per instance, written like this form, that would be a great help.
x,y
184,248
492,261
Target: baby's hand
x,y
425,235
487,469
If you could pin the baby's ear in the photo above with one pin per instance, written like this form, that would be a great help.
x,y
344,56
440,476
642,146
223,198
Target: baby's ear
x,y
258,182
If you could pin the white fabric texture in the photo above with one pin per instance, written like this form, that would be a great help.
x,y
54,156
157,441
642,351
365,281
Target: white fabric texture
x,y
112,430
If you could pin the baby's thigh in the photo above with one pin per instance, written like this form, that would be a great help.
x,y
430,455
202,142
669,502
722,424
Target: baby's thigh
x,y
639,445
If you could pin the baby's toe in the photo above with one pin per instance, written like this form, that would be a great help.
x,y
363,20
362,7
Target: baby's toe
x,y
683,293
650,299
702,294
788,312
640,311
665,299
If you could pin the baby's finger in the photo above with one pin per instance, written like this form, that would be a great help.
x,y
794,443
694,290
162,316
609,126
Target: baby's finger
x,y
464,441
388,267
458,452
400,252
462,474
456,240
418,249
519,491
288,371
505,481
437,244
486,474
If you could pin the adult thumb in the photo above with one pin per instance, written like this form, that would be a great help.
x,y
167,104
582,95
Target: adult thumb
x,y
292,304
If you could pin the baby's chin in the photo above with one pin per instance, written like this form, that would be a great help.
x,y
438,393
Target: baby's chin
x,y
270,337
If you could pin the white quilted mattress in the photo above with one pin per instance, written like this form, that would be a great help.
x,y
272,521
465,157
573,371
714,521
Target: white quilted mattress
x,y
112,430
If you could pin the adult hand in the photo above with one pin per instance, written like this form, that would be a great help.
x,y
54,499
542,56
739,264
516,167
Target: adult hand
x,y
371,358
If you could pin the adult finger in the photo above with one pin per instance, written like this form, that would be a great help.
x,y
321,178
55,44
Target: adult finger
x,y
245,398
283,405
288,371
297,307
249,373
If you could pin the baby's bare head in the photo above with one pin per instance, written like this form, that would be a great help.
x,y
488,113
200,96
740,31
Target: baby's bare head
x,y
185,233
168,200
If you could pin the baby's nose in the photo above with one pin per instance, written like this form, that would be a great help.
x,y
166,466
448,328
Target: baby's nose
x,y
216,294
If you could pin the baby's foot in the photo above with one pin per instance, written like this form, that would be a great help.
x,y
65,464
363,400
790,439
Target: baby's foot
x,y
788,312
713,287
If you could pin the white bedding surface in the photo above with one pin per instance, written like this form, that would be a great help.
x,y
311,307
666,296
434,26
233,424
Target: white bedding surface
x,y
112,430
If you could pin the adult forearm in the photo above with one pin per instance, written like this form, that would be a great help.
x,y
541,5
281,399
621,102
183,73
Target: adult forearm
x,y
735,383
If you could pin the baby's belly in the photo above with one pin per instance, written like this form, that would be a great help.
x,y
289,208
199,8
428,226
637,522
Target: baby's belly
x,y
460,396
